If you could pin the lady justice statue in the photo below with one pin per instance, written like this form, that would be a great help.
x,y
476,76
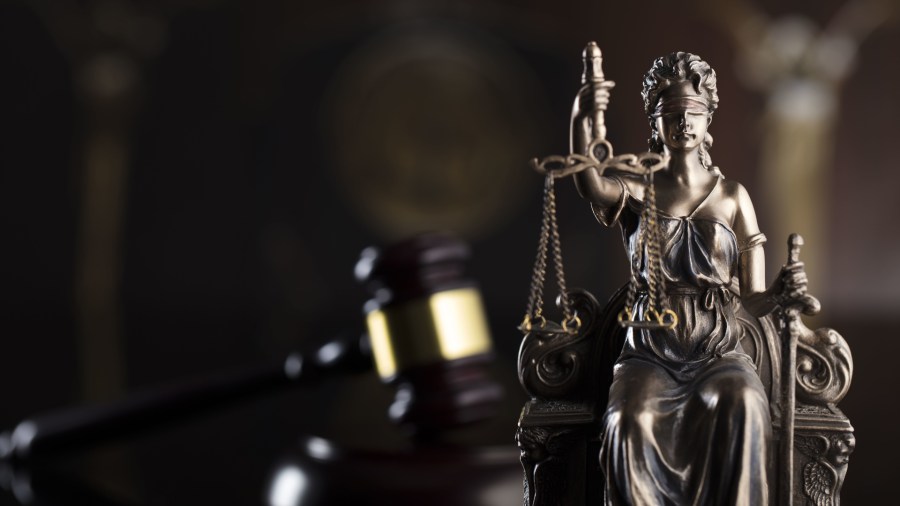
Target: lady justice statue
x,y
687,419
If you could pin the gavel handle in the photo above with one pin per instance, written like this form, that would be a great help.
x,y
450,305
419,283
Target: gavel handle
x,y
83,426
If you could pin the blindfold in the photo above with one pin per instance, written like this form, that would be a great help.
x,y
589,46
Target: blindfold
x,y
679,105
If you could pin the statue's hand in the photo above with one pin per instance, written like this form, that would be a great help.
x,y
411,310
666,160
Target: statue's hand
x,y
792,281
591,97
790,289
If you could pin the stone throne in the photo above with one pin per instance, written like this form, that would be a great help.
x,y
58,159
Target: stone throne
x,y
567,376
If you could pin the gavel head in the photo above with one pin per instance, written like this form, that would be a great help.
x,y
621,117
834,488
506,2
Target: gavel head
x,y
428,333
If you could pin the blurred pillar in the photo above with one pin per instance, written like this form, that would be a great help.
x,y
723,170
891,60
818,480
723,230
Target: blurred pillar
x,y
800,68
106,42
107,83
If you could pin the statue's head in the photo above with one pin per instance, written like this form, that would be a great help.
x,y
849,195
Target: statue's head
x,y
680,80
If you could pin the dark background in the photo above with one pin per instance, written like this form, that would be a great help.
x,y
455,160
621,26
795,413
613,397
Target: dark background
x,y
186,186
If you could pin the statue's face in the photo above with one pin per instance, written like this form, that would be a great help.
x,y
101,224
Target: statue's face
x,y
841,447
682,131
683,122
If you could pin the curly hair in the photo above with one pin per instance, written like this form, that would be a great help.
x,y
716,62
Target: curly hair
x,y
674,68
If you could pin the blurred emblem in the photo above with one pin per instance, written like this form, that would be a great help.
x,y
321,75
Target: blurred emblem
x,y
431,129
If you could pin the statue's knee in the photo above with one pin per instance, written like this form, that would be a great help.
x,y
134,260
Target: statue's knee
x,y
630,417
733,394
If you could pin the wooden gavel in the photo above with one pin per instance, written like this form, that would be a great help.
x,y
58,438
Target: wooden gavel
x,y
429,340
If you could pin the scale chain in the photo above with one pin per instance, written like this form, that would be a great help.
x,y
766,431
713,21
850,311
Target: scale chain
x,y
549,238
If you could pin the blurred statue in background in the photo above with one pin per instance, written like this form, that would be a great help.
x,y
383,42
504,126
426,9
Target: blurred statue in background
x,y
689,349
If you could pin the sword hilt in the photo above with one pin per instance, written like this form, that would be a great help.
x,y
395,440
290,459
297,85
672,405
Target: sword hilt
x,y
805,302
593,77
795,241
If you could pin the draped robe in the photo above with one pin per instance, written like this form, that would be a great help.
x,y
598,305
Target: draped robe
x,y
687,421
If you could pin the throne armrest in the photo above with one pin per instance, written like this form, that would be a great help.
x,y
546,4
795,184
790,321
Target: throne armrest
x,y
567,376
816,437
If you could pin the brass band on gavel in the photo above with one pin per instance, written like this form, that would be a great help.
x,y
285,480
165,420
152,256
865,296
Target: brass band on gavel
x,y
444,326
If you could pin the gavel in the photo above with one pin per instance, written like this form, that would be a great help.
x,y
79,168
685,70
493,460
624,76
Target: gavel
x,y
427,334
430,340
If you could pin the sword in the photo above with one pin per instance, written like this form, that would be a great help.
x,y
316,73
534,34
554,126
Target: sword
x,y
792,305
